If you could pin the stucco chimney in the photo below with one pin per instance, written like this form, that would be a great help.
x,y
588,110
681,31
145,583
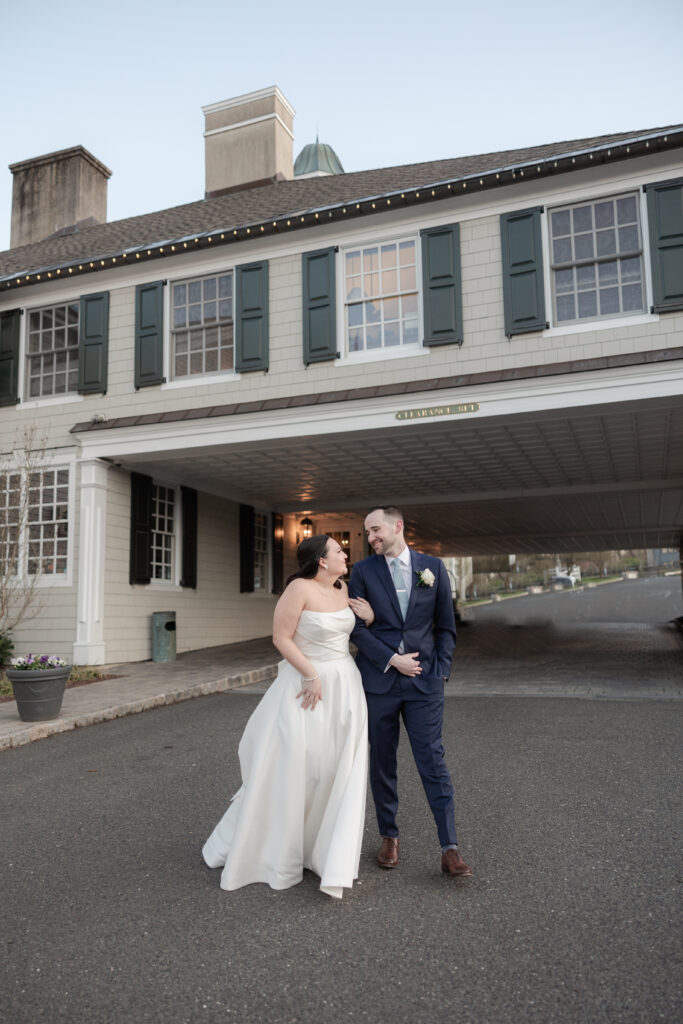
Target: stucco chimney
x,y
248,141
55,193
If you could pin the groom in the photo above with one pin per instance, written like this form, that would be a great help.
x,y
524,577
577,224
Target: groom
x,y
404,658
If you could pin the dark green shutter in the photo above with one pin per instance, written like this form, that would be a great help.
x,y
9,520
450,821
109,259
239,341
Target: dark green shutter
x,y
665,216
251,317
246,549
9,357
189,549
140,528
93,343
442,286
149,334
523,290
319,306
278,551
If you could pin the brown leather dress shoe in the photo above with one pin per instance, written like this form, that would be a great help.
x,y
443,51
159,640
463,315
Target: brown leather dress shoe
x,y
453,864
387,855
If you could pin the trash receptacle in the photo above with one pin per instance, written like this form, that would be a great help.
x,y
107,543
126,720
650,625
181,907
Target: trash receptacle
x,y
163,636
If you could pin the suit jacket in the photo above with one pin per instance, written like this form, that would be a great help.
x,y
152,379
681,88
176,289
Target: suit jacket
x,y
429,625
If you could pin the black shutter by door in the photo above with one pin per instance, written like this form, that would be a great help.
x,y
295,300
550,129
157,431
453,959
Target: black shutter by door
x,y
665,216
189,553
140,528
93,343
251,317
9,357
319,306
246,549
149,334
442,285
523,290
278,551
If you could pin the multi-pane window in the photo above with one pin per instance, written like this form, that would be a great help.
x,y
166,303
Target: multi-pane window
x,y
10,518
380,286
597,264
260,551
202,334
48,521
52,350
34,522
163,532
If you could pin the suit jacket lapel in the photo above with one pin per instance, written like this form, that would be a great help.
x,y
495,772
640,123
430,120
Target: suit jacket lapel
x,y
416,561
388,583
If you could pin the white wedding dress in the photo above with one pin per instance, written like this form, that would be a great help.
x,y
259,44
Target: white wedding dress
x,y
304,773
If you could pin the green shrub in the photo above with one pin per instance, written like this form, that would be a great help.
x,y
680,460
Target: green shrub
x,y
6,648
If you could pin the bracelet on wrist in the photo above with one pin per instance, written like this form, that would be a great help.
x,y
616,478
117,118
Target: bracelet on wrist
x,y
309,679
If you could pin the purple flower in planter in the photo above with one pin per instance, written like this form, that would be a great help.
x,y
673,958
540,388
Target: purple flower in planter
x,y
36,662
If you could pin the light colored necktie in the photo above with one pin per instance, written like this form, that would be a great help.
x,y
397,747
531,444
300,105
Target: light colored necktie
x,y
400,584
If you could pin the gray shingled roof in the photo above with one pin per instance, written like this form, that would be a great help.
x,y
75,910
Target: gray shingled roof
x,y
287,198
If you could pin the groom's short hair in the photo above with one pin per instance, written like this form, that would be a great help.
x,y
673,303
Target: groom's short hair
x,y
390,512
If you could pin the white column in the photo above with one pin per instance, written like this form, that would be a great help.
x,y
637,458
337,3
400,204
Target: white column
x,y
89,645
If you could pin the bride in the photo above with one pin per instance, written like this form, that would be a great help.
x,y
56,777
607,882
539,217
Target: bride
x,y
303,753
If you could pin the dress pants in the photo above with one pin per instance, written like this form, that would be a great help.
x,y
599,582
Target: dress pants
x,y
422,716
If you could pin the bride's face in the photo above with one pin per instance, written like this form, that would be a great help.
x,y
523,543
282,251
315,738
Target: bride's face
x,y
335,558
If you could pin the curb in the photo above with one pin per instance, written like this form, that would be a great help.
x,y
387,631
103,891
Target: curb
x,y
42,730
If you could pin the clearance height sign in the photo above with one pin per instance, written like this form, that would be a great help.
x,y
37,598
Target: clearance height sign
x,y
437,410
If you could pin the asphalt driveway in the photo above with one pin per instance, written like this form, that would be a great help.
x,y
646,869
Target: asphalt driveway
x,y
567,809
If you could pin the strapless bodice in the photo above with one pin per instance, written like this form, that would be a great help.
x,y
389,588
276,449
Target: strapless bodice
x,y
324,636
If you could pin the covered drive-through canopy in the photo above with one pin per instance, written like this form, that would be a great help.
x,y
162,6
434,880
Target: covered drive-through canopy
x,y
575,461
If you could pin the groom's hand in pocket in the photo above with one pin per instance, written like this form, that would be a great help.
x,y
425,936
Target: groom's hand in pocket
x,y
407,664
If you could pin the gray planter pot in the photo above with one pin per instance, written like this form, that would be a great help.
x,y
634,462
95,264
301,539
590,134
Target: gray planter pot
x,y
39,694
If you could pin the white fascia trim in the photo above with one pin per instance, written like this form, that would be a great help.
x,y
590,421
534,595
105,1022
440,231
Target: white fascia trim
x,y
509,398
250,97
252,120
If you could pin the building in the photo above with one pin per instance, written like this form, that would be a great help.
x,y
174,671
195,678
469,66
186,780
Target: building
x,y
493,342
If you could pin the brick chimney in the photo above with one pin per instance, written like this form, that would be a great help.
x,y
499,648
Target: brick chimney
x,y
248,141
57,193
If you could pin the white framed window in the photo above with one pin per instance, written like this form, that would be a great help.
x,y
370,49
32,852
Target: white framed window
x,y
34,522
163,532
10,519
260,552
596,259
202,331
52,351
381,296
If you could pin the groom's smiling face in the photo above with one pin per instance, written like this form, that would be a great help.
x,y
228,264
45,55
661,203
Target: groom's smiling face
x,y
385,536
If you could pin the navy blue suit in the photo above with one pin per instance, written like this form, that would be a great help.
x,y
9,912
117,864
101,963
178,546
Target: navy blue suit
x,y
429,628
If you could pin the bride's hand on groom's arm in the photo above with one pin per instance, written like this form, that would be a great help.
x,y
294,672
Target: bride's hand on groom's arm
x,y
360,607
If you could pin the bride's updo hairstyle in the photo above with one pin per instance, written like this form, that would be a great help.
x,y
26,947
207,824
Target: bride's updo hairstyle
x,y
309,553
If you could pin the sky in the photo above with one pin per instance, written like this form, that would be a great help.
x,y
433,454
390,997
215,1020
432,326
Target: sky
x,y
384,83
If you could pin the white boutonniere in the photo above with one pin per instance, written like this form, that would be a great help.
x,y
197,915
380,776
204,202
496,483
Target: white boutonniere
x,y
425,577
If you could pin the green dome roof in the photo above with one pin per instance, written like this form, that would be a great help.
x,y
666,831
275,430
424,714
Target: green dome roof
x,y
317,158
